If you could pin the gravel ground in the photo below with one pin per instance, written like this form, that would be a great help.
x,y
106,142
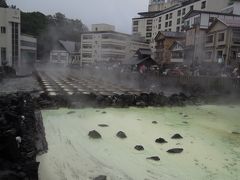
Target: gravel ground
x,y
21,84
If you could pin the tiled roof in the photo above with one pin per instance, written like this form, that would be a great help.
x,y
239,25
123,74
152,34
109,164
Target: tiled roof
x,y
68,45
3,4
173,34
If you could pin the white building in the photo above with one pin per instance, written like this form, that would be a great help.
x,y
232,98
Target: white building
x,y
28,49
171,19
9,35
65,53
108,45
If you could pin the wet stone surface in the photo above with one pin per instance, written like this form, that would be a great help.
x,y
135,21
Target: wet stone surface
x,y
121,135
154,158
175,150
177,136
94,134
139,147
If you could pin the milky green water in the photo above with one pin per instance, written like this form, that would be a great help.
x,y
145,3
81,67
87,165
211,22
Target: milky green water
x,y
211,151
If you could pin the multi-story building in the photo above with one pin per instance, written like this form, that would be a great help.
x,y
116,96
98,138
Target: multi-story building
x,y
171,19
196,25
108,45
9,35
223,42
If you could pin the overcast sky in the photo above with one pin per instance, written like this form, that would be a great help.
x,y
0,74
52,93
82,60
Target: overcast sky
x,y
116,12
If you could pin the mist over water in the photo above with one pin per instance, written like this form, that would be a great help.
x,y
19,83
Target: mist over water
x,y
211,150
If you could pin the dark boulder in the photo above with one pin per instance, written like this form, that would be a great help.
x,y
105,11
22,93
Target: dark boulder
x,y
121,135
160,141
139,147
236,133
175,150
101,177
141,104
71,112
154,158
176,136
103,125
94,134
154,122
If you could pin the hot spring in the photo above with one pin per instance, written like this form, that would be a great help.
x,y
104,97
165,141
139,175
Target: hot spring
x,y
210,141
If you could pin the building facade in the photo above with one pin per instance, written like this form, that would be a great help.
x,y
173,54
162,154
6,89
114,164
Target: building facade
x,y
196,25
66,53
171,19
108,45
223,42
10,33
28,47
164,42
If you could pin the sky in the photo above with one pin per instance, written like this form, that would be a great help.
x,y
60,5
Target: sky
x,y
115,12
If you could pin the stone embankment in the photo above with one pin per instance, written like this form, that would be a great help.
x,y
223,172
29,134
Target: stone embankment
x,y
22,137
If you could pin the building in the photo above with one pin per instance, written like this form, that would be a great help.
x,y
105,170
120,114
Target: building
x,y
141,59
223,42
108,45
28,47
159,5
66,53
171,19
177,52
164,41
9,35
196,25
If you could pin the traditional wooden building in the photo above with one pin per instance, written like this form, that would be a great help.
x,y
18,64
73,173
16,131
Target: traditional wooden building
x,y
177,52
163,42
223,42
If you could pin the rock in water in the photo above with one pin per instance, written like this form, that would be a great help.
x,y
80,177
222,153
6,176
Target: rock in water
x,y
121,135
175,150
94,134
155,158
154,122
139,147
103,125
160,141
71,112
176,136
101,177
236,133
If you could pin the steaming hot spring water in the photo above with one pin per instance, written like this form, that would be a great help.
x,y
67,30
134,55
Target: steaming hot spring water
x,y
210,141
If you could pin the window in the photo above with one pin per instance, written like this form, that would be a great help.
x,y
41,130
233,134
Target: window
x,y
191,8
87,46
149,21
178,21
170,23
166,17
149,28
179,12
170,29
221,37
170,16
3,56
166,24
149,35
135,23
209,39
159,26
87,36
178,29
135,29
208,55
3,30
160,19
203,5
197,20
87,55
183,11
